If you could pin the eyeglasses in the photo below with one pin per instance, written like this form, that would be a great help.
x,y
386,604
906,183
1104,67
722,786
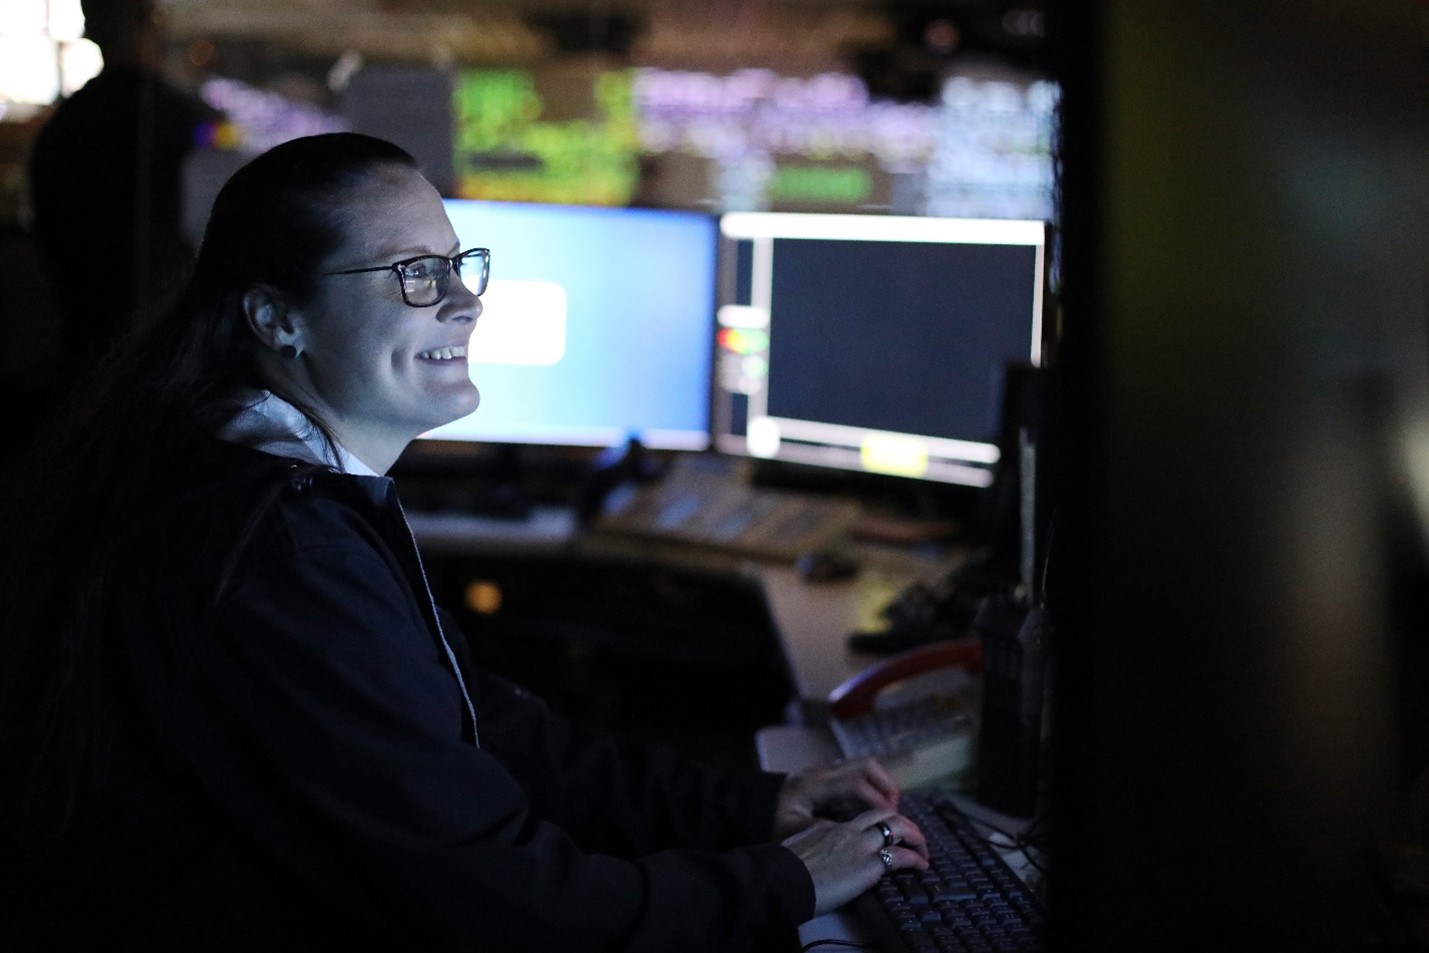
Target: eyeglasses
x,y
426,278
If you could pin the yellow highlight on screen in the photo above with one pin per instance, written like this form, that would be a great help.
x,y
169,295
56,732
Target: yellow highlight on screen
x,y
895,455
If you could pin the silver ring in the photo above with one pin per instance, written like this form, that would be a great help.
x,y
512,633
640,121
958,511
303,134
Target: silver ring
x,y
887,833
885,855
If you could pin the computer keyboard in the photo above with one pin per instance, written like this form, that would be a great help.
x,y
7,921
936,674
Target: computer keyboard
x,y
970,898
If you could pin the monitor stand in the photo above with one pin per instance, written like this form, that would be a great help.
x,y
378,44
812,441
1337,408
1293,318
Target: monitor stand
x,y
630,461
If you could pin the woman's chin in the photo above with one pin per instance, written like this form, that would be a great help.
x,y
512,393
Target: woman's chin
x,y
456,406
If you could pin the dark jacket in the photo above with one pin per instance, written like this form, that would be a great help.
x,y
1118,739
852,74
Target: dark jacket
x,y
296,765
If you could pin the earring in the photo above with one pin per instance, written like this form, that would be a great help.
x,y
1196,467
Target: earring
x,y
288,351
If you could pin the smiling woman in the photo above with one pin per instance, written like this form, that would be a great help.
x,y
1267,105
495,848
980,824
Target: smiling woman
x,y
380,355
231,713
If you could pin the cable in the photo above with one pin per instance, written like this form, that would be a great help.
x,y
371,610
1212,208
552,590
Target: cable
x,y
1024,843
846,944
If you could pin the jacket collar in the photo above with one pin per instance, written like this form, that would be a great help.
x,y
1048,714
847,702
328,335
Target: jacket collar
x,y
269,423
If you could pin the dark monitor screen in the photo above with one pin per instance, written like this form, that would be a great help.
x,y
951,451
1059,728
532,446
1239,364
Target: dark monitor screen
x,y
595,326
873,343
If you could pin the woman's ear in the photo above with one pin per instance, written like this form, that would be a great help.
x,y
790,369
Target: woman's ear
x,y
271,322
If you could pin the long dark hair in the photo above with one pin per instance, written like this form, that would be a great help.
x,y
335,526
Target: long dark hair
x,y
70,507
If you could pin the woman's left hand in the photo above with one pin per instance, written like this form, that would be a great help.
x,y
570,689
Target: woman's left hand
x,y
845,787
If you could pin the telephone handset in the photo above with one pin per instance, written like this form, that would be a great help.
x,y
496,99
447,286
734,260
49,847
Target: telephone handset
x,y
858,695
913,711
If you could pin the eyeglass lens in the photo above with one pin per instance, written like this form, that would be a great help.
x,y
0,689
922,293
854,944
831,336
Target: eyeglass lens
x,y
425,281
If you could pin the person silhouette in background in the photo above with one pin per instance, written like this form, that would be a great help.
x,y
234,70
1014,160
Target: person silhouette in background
x,y
106,184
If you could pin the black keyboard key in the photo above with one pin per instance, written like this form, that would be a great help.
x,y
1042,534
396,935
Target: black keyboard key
x,y
968,901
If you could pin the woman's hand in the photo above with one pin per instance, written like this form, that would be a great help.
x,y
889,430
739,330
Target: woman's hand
x,y
846,859
845,787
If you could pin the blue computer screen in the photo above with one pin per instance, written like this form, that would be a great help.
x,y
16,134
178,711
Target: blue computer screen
x,y
596,325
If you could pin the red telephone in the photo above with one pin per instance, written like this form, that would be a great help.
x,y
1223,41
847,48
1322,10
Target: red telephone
x,y
908,710
856,696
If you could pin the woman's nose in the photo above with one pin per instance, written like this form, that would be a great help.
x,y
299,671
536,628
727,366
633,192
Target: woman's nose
x,y
460,304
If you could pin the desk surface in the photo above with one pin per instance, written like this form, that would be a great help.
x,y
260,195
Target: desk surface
x,y
815,619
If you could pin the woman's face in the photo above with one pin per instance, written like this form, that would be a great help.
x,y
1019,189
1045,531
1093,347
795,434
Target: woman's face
x,y
383,371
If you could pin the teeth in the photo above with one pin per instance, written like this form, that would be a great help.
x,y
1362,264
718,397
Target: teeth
x,y
443,353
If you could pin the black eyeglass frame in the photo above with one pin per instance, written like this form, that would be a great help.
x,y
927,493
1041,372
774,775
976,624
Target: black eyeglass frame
x,y
443,283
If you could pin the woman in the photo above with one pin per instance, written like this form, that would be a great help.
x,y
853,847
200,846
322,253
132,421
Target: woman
x,y
232,714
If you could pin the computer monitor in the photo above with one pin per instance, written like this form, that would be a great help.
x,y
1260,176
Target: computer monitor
x,y
595,326
873,343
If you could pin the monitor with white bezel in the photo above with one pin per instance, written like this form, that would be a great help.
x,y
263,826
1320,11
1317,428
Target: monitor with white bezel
x,y
873,343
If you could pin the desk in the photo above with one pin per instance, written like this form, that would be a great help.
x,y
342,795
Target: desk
x,y
815,619
546,529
